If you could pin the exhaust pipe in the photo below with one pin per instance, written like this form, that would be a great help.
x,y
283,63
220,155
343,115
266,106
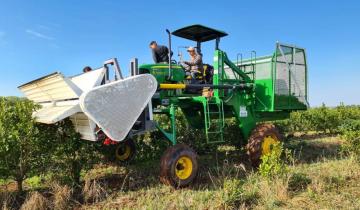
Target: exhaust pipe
x,y
169,35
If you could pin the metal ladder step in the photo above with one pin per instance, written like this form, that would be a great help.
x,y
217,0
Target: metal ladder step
x,y
214,121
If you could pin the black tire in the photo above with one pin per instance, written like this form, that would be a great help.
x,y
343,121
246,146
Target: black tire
x,y
178,166
125,151
256,147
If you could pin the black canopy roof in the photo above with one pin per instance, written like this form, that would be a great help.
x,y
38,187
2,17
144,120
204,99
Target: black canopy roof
x,y
199,33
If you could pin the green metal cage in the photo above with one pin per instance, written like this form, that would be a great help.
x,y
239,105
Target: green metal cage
x,y
281,78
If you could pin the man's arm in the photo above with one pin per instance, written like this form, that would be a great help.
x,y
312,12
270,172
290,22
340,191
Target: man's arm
x,y
155,57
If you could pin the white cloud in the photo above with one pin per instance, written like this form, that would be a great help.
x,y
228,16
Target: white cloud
x,y
39,35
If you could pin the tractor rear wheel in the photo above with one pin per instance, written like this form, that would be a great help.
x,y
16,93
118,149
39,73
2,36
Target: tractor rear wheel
x,y
178,166
125,151
261,141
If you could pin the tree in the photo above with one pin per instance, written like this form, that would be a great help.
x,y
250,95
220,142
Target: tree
x,y
71,153
23,149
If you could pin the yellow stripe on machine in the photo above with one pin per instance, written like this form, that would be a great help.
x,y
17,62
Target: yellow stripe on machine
x,y
165,67
172,86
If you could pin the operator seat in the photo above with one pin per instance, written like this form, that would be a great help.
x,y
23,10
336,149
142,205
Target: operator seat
x,y
204,76
208,73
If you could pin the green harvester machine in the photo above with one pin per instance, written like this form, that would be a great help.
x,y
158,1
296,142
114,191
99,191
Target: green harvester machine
x,y
253,91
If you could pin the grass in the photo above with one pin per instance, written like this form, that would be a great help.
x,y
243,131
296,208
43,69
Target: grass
x,y
335,184
330,184
35,201
319,178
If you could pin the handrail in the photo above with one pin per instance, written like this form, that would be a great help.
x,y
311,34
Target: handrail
x,y
242,74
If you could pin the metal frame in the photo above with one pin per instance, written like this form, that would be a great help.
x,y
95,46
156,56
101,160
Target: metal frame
x,y
293,62
113,62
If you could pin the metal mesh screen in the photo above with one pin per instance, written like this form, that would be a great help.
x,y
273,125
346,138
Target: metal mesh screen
x,y
261,66
290,84
298,83
282,86
229,74
263,70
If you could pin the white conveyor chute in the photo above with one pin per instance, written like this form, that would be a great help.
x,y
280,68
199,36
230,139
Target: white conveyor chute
x,y
59,98
91,100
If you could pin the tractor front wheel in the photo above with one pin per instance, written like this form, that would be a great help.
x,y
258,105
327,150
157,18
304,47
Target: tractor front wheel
x,y
261,142
125,151
178,166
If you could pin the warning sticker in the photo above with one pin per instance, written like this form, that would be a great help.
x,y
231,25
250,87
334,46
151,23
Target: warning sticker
x,y
243,111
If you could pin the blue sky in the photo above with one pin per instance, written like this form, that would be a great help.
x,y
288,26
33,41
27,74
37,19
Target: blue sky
x,y
42,36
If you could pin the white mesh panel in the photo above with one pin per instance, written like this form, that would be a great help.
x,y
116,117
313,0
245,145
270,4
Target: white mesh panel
x,y
115,107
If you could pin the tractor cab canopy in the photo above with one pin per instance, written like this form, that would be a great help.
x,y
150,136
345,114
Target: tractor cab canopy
x,y
199,33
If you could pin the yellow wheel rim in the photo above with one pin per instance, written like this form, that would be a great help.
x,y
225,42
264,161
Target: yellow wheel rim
x,y
268,143
123,152
183,168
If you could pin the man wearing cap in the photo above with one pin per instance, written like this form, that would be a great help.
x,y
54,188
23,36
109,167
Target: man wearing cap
x,y
160,53
195,65
87,69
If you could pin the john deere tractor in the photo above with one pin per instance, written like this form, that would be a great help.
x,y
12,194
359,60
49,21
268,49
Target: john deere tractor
x,y
253,91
